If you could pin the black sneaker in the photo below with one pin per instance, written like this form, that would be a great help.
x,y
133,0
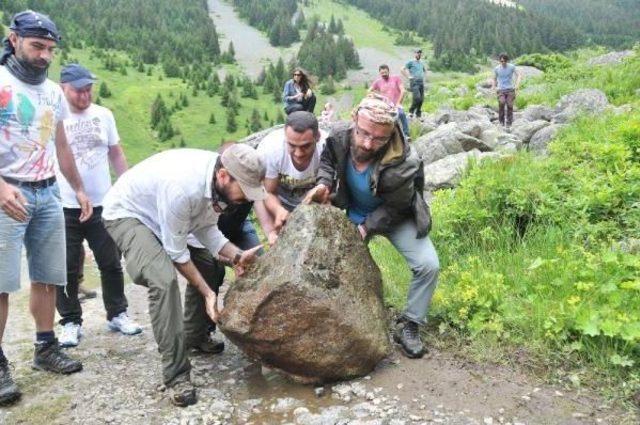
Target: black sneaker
x,y
407,335
48,356
9,392
182,393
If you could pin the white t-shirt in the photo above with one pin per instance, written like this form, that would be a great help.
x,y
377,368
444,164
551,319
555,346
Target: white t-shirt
x,y
170,193
90,133
29,115
293,183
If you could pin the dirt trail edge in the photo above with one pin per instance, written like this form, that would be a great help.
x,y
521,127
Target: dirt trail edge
x,y
121,375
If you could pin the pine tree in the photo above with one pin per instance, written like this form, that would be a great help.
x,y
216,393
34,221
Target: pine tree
x,y
104,90
183,144
255,124
231,122
212,118
158,112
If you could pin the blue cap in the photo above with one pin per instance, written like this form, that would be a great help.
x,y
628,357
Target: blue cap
x,y
34,24
77,75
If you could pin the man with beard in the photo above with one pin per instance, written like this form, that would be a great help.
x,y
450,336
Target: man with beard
x,y
32,109
415,71
378,178
150,212
392,88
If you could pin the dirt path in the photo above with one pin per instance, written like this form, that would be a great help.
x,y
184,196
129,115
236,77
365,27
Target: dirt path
x,y
121,374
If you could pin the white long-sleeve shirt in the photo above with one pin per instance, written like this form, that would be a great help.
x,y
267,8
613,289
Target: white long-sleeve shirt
x,y
170,193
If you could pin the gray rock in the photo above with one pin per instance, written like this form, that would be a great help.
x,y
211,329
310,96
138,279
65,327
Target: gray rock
x,y
610,58
524,130
592,101
537,112
462,91
285,404
529,71
319,279
254,139
447,115
448,139
446,172
542,137
471,128
481,114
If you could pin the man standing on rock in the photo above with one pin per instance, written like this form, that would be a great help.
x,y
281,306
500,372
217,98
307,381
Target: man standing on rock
x,y
32,109
505,89
415,71
292,158
151,210
392,88
93,138
377,177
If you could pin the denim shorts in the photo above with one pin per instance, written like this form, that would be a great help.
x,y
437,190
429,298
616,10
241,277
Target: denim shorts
x,y
43,237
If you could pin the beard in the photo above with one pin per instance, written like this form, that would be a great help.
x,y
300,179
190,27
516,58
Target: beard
x,y
361,155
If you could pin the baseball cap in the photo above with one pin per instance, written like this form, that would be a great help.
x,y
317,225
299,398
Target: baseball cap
x,y
33,24
244,165
77,75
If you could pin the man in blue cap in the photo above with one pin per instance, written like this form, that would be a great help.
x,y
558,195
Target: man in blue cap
x,y
32,109
94,140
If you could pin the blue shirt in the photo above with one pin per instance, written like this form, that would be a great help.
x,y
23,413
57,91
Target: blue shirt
x,y
416,69
504,76
362,202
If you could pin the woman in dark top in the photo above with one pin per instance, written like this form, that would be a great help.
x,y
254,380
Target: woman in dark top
x,y
297,94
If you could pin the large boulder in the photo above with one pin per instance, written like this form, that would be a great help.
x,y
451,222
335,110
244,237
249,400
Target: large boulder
x,y
592,101
529,71
610,58
311,307
542,137
446,172
537,112
446,140
524,130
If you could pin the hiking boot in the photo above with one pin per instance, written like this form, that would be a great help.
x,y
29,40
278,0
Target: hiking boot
x,y
70,335
123,324
407,335
9,392
182,393
49,356
209,345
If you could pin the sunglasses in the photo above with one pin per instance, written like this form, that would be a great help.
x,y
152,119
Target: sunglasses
x,y
297,75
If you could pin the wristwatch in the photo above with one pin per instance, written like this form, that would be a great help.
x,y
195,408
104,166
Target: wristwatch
x,y
236,258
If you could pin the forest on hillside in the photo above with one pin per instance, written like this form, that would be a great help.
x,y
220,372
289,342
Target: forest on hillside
x,y
463,31
151,31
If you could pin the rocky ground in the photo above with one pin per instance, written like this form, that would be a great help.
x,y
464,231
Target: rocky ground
x,y
121,376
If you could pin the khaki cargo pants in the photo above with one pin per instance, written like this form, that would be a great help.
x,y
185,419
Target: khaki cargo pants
x,y
149,265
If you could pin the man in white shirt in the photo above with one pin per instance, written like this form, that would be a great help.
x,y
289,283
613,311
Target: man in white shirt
x,y
93,138
151,210
292,157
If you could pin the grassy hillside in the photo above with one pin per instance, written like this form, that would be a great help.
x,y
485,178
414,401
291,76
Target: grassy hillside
x,y
563,297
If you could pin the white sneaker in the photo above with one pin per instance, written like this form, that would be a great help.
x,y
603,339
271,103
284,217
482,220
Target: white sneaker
x,y
122,323
70,335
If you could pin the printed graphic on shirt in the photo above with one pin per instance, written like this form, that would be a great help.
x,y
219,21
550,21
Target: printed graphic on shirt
x,y
85,137
28,118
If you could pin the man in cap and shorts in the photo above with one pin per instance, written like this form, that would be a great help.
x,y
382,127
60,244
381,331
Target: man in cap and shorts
x,y
32,109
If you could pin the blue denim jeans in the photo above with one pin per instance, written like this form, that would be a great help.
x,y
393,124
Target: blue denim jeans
x,y
43,236
422,259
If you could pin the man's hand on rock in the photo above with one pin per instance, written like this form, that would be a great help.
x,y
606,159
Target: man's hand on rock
x,y
246,257
363,231
211,304
280,218
319,194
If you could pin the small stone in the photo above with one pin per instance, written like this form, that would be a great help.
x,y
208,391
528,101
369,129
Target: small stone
x,y
501,410
300,411
578,415
526,397
399,386
319,391
369,396
488,421
559,394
